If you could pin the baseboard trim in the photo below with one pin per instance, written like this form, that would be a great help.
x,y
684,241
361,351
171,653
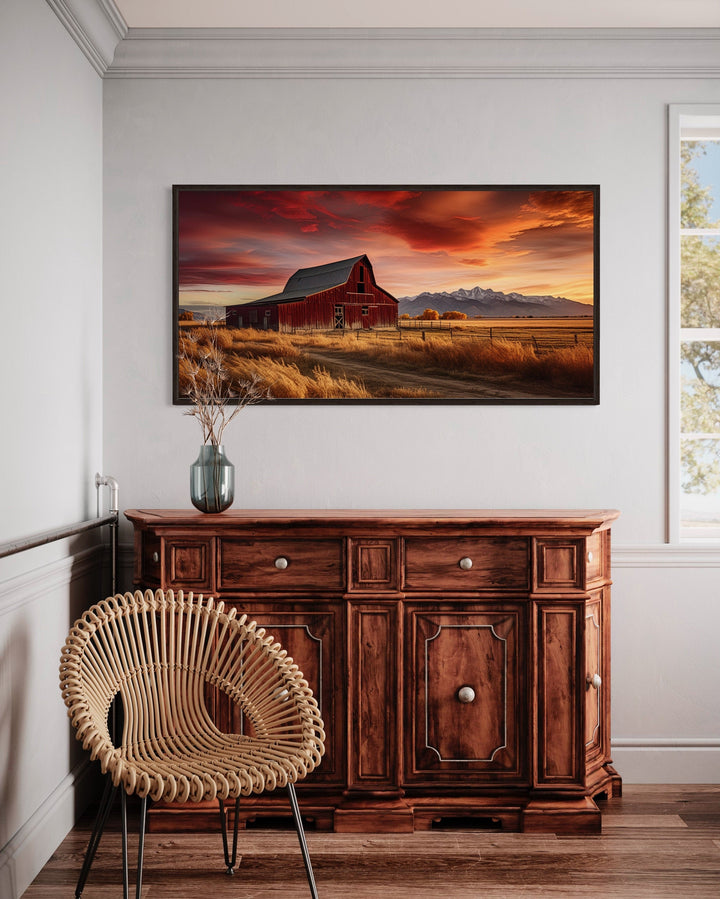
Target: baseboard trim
x,y
24,855
664,743
667,761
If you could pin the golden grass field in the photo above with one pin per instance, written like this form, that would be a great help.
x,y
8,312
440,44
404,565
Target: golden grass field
x,y
542,358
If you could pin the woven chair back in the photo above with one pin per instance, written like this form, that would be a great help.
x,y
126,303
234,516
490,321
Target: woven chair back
x,y
167,657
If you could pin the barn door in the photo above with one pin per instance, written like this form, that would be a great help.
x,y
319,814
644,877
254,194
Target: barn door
x,y
339,316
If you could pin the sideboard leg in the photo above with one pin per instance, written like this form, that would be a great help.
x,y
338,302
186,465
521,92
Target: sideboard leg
x,y
562,816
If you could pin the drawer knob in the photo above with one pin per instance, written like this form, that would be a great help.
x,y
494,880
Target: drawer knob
x,y
590,556
281,563
156,557
465,694
593,680
466,564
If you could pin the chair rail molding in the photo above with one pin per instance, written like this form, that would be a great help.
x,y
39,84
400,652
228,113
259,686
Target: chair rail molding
x,y
96,26
667,555
372,53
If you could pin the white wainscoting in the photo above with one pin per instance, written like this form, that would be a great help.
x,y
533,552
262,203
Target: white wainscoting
x,y
46,779
666,712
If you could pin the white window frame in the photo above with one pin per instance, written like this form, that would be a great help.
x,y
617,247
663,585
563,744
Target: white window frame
x,y
682,121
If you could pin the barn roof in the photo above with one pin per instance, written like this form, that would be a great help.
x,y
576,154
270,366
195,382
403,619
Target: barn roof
x,y
307,281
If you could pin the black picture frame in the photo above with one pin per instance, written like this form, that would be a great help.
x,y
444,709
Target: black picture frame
x,y
271,259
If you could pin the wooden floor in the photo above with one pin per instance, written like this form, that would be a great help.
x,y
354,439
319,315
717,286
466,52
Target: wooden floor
x,y
657,841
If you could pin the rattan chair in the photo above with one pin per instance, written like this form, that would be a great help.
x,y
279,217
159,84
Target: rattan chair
x,y
160,654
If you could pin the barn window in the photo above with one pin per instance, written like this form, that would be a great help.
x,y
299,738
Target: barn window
x,y
365,310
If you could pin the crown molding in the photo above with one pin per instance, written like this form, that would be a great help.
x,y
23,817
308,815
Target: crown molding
x,y
369,53
96,26
426,34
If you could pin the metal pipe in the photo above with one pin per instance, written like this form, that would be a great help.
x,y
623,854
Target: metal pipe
x,y
114,558
112,518
18,546
114,507
107,481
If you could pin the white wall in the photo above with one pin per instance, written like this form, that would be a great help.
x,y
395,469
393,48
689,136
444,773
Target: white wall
x,y
423,131
604,121
51,367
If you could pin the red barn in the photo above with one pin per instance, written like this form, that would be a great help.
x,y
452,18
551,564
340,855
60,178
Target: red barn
x,y
336,295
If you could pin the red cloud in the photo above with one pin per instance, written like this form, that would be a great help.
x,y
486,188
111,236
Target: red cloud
x,y
259,237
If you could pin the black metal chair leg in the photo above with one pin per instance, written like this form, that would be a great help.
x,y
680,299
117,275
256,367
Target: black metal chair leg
x,y
229,860
108,797
123,824
301,837
141,847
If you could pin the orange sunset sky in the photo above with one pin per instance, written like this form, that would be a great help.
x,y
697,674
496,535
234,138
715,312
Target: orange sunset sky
x,y
236,245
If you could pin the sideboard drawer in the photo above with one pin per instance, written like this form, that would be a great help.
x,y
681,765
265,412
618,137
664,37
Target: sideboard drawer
x,y
466,563
279,565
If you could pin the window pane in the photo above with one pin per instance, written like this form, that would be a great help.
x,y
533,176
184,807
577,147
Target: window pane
x,y
700,390
700,487
699,282
700,192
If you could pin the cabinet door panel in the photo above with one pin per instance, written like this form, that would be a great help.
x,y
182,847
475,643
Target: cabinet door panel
x,y
373,565
374,672
466,693
558,746
189,564
312,636
597,673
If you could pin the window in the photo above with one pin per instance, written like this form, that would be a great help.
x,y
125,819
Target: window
x,y
695,324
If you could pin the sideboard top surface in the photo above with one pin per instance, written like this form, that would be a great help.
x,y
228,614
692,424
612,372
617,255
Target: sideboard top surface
x,y
583,520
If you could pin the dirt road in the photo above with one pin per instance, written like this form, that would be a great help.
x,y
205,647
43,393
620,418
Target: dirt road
x,y
380,378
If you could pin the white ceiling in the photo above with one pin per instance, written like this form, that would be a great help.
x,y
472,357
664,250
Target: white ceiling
x,y
421,14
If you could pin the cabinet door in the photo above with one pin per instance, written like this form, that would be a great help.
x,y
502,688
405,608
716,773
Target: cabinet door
x,y
313,637
596,686
374,674
465,693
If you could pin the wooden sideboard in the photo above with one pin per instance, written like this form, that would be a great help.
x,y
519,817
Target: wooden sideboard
x,y
461,659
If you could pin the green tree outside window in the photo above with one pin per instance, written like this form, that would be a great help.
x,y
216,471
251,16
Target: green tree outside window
x,y
700,308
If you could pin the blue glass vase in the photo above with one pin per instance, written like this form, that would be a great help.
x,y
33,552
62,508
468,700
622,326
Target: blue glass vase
x,y
212,480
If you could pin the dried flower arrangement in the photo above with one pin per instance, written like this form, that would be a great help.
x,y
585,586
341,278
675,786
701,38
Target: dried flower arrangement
x,y
215,399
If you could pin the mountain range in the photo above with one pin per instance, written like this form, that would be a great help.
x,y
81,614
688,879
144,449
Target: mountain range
x,y
492,304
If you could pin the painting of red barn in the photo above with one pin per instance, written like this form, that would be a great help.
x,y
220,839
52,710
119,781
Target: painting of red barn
x,y
385,294
336,295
